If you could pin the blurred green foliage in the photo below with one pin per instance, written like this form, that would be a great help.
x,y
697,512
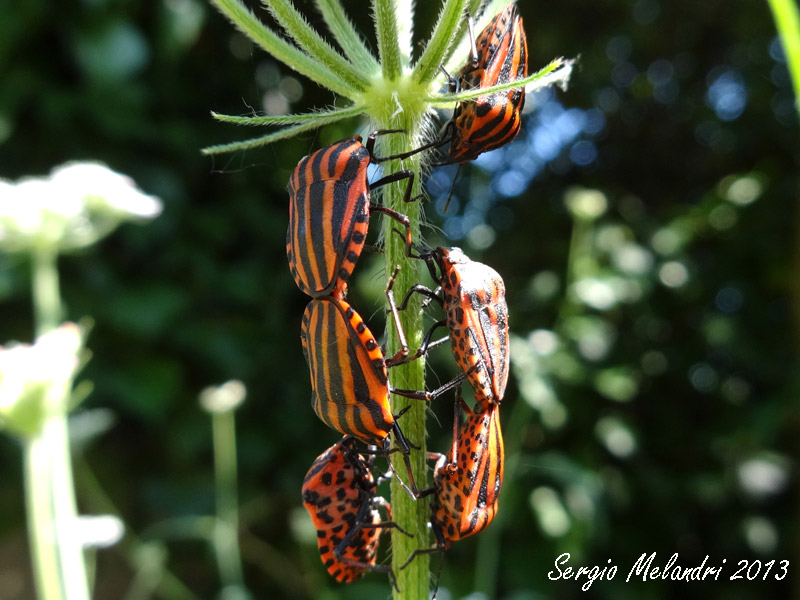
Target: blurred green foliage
x,y
653,403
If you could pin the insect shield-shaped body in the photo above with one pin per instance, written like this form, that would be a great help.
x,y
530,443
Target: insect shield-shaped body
x,y
488,122
477,316
349,378
339,495
474,300
329,212
468,480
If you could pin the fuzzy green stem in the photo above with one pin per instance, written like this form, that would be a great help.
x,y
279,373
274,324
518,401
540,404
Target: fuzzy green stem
x,y
409,513
226,529
48,464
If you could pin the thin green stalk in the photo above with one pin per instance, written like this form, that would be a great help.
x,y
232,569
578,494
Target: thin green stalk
x,y
41,534
787,20
412,515
49,450
65,510
46,296
226,530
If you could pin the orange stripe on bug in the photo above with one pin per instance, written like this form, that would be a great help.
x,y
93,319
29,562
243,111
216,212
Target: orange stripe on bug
x,y
489,122
329,210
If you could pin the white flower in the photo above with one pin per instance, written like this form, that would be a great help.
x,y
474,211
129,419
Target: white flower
x,y
101,189
28,373
98,531
226,397
79,203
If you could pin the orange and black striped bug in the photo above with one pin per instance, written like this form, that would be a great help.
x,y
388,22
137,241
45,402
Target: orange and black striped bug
x,y
349,374
339,495
329,212
499,55
467,481
473,297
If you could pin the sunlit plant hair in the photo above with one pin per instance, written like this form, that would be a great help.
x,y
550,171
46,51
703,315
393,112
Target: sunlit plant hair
x,y
397,89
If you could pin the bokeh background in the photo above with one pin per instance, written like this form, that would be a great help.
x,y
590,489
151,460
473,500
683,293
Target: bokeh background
x,y
645,224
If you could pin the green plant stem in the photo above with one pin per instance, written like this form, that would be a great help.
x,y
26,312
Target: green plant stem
x,y
409,513
46,295
48,464
787,20
41,535
226,529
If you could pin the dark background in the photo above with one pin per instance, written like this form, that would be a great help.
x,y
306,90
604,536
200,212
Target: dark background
x,y
652,405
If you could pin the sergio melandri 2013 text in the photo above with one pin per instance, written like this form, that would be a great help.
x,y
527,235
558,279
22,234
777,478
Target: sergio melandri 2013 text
x,y
645,568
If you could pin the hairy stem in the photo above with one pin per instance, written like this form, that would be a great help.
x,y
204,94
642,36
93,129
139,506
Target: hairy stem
x,y
409,513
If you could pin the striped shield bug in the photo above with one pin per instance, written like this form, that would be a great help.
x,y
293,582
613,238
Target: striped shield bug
x,y
473,297
329,212
467,480
499,55
349,374
339,495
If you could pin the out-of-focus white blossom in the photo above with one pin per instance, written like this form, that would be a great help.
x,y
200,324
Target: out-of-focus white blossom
x,y
80,203
101,189
226,397
98,531
29,372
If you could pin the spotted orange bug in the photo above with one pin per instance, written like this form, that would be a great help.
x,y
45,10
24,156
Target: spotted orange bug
x,y
329,212
339,495
499,55
473,297
467,480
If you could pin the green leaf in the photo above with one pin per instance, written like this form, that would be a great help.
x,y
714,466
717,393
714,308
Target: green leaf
x,y
288,132
282,50
313,44
386,31
557,72
322,116
443,34
347,37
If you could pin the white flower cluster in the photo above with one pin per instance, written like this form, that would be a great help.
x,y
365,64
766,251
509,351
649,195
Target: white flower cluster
x,y
29,372
78,204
